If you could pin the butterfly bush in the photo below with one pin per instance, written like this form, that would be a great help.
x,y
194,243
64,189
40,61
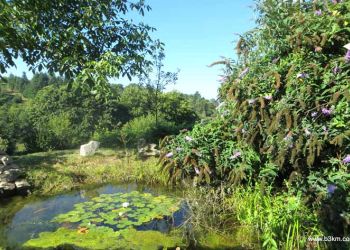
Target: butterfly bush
x,y
291,100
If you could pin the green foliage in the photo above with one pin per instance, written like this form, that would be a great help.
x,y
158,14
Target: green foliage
x,y
63,119
108,221
105,238
75,38
284,117
145,128
120,210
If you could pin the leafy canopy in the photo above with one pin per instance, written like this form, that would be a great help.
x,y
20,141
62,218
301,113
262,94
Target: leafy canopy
x,y
70,36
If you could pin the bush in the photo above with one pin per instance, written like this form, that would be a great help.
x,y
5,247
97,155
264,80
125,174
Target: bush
x,y
145,128
285,105
107,138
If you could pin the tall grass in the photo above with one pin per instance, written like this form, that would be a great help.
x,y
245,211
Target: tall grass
x,y
277,220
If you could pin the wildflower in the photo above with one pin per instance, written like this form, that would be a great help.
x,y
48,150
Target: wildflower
x,y
188,138
318,49
125,204
169,155
121,214
223,79
236,155
346,160
347,56
196,170
326,111
178,149
251,101
336,70
307,132
288,137
302,75
318,12
331,188
244,72
220,105
243,131
325,129
268,97
314,114
336,1
275,60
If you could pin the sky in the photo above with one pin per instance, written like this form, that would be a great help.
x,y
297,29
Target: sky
x,y
196,33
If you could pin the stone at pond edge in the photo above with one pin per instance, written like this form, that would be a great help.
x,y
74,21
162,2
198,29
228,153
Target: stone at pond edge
x,y
11,182
89,148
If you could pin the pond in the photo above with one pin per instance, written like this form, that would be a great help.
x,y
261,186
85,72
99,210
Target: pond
x,y
105,217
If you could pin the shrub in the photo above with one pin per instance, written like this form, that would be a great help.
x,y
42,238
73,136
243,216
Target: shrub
x,y
146,128
285,105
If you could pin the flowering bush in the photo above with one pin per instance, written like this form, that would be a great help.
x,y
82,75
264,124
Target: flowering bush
x,y
287,109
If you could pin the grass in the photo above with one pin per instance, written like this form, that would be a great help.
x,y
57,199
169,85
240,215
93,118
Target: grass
x,y
58,171
276,220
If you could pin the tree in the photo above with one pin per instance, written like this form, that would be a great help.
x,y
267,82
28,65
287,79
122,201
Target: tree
x,y
70,36
157,85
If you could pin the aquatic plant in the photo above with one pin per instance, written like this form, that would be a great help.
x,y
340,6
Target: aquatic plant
x,y
109,221
106,238
119,210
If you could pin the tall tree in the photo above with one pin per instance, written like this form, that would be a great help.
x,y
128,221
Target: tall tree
x,y
157,84
75,36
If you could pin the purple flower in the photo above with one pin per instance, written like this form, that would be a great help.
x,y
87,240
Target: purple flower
x,y
336,1
307,132
325,129
169,155
346,160
347,56
275,60
223,79
331,188
178,149
318,12
314,114
222,104
196,170
268,97
326,112
288,137
236,155
251,101
336,70
188,138
244,72
302,75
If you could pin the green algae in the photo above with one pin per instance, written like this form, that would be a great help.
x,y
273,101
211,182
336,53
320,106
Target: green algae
x,y
106,238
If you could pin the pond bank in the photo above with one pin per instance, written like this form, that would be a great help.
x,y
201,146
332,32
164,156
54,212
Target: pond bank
x,y
60,171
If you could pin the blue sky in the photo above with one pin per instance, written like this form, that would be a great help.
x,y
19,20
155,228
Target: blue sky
x,y
196,33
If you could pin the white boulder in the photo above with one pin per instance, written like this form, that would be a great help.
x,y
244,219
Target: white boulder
x,y
89,149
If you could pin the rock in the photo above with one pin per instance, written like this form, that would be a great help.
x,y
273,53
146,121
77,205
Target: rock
x,y
5,160
7,189
10,175
89,149
22,187
149,150
10,184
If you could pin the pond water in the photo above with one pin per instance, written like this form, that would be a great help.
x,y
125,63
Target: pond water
x,y
105,217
